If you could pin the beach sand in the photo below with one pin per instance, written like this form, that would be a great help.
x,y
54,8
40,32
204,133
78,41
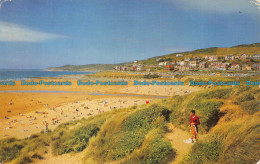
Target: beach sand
x,y
22,126
22,113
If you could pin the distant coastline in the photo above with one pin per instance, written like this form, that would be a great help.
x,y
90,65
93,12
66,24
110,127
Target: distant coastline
x,y
25,74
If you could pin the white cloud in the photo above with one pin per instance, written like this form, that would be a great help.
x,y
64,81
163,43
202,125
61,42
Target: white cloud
x,y
10,32
219,6
257,3
3,1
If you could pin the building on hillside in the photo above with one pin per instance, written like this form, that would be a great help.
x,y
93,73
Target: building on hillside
x,y
228,64
245,56
235,66
179,55
222,67
187,59
256,56
121,68
218,66
203,65
184,68
213,58
193,64
237,57
229,57
256,67
137,68
184,63
246,67
158,59
198,58
169,67
174,62
163,63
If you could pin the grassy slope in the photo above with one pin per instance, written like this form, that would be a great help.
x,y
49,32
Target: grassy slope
x,y
229,128
236,50
88,67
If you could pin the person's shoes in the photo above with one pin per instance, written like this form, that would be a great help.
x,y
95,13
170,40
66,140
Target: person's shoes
x,y
188,141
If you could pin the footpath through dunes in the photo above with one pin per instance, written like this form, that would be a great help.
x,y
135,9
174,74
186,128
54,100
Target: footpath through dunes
x,y
176,136
62,159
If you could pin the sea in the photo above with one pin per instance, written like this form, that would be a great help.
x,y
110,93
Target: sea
x,y
25,74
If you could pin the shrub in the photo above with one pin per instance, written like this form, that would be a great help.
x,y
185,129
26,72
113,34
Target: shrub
x,y
151,76
244,97
251,106
10,149
220,93
74,141
128,133
204,152
153,150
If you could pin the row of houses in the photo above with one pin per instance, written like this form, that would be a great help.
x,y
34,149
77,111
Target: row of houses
x,y
135,67
227,57
191,65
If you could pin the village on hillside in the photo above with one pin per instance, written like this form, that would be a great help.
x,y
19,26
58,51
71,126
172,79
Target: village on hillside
x,y
243,62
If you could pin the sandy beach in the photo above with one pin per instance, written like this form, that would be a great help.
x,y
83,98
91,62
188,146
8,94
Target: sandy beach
x,y
23,113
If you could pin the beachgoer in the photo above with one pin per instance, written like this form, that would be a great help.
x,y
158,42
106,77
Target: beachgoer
x,y
194,122
46,124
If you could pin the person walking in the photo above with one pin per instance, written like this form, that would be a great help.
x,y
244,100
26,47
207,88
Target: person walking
x,y
194,122
46,124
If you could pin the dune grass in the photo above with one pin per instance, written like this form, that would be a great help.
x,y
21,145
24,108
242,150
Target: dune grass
x,y
124,133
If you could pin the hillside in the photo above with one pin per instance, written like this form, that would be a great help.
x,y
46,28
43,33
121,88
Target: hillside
x,y
228,132
87,67
249,49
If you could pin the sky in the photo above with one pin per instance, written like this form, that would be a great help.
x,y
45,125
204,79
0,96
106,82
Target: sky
x,y
37,34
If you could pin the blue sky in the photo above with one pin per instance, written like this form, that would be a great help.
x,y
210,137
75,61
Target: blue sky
x,y
46,33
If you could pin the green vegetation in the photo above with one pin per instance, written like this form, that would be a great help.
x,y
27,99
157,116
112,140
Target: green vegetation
x,y
117,75
250,49
205,152
23,151
75,140
151,76
128,135
88,67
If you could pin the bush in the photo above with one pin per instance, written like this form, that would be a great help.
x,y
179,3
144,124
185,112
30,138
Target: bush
x,y
128,133
153,150
74,141
10,148
251,106
135,128
204,152
244,97
220,93
151,76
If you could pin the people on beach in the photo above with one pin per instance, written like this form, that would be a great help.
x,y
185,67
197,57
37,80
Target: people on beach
x,y
46,124
194,122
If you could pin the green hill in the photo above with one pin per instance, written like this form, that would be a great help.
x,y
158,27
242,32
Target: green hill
x,y
88,67
250,49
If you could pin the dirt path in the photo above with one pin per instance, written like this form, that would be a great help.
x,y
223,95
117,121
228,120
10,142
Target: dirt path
x,y
62,159
176,137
